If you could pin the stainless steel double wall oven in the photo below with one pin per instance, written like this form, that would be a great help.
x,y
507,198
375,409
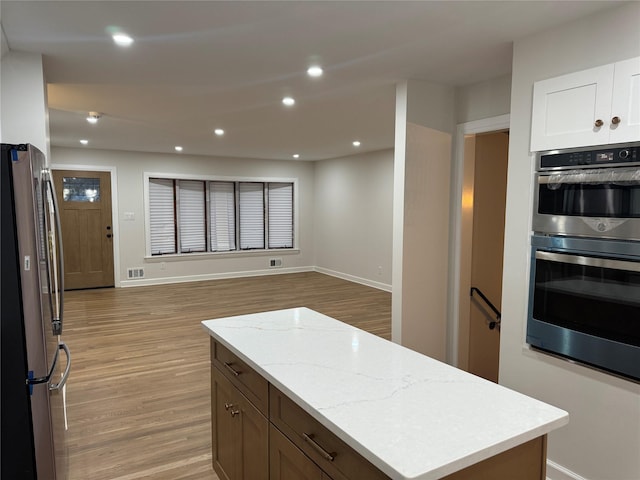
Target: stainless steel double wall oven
x,y
584,296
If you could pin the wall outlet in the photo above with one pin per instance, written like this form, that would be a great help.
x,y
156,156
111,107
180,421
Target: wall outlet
x,y
163,265
379,269
275,262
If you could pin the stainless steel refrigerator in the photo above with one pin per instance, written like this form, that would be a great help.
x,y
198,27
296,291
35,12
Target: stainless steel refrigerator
x,y
35,361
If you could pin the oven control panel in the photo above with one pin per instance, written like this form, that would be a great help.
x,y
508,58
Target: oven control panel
x,y
620,155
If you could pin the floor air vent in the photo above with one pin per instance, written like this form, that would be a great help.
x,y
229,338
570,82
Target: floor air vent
x,y
134,273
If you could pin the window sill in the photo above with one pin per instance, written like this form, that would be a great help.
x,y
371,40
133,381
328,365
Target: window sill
x,y
180,257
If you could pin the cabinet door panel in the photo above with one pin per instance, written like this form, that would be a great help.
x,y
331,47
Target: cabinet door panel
x,y
288,462
224,439
566,108
626,101
254,440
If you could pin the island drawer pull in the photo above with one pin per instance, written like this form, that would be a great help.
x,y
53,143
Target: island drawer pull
x,y
326,455
231,369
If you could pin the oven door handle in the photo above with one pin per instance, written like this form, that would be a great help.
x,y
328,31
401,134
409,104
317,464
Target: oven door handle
x,y
602,176
588,261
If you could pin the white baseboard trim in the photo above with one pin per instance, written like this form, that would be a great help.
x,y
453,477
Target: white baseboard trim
x,y
558,472
145,282
352,278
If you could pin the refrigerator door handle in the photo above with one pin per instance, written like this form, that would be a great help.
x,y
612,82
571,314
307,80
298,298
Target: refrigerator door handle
x,y
47,378
58,260
65,375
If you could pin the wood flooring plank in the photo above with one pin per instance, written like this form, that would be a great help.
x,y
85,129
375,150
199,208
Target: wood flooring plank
x,y
139,396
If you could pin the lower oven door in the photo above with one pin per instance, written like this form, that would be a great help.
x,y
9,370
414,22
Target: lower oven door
x,y
584,303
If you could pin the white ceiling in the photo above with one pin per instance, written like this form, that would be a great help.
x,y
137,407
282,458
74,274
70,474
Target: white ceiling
x,y
195,66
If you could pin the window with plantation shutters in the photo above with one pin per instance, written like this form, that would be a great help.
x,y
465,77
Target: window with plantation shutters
x,y
191,216
222,216
162,216
280,219
251,215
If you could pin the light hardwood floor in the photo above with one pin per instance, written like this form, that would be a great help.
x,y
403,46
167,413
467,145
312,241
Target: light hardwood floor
x,y
138,395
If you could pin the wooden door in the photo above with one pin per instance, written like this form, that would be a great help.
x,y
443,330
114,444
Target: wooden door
x,y
489,197
84,201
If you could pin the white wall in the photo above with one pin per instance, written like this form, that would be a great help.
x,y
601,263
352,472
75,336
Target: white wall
x,y
24,115
129,171
353,217
602,440
483,100
422,172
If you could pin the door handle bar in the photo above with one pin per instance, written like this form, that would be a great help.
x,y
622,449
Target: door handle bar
x,y
65,375
233,371
326,455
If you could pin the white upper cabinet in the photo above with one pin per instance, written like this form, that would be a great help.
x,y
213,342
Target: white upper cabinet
x,y
625,103
591,107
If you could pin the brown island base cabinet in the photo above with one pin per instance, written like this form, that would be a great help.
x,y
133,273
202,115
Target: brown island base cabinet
x,y
258,433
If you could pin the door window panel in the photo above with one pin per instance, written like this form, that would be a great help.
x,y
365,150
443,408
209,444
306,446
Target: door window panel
x,y
80,189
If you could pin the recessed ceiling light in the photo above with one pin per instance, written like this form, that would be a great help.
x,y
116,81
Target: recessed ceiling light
x,y
84,142
314,71
178,148
356,143
296,155
93,117
122,39
288,101
218,131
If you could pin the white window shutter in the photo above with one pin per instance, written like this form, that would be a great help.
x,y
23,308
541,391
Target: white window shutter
x,y
280,215
162,216
222,216
251,215
191,216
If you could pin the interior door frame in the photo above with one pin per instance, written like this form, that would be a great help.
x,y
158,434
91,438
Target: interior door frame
x,y
500,122
115,224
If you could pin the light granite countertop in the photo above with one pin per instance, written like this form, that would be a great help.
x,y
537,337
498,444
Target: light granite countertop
x,y
411,416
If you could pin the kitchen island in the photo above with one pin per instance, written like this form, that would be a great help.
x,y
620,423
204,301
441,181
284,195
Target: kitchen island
x,y
297,394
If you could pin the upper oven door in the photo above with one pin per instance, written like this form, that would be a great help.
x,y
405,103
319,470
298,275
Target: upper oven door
x,y
601,202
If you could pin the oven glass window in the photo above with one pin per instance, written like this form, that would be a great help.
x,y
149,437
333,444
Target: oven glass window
x,y
619,200
596,300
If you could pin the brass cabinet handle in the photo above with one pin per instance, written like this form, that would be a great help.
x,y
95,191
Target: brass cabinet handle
x,y
615,120
326,455
227,406
233,371
599,123
234,412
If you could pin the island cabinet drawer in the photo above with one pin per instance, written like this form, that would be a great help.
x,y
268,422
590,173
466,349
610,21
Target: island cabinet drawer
x,y
242,376
331,454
